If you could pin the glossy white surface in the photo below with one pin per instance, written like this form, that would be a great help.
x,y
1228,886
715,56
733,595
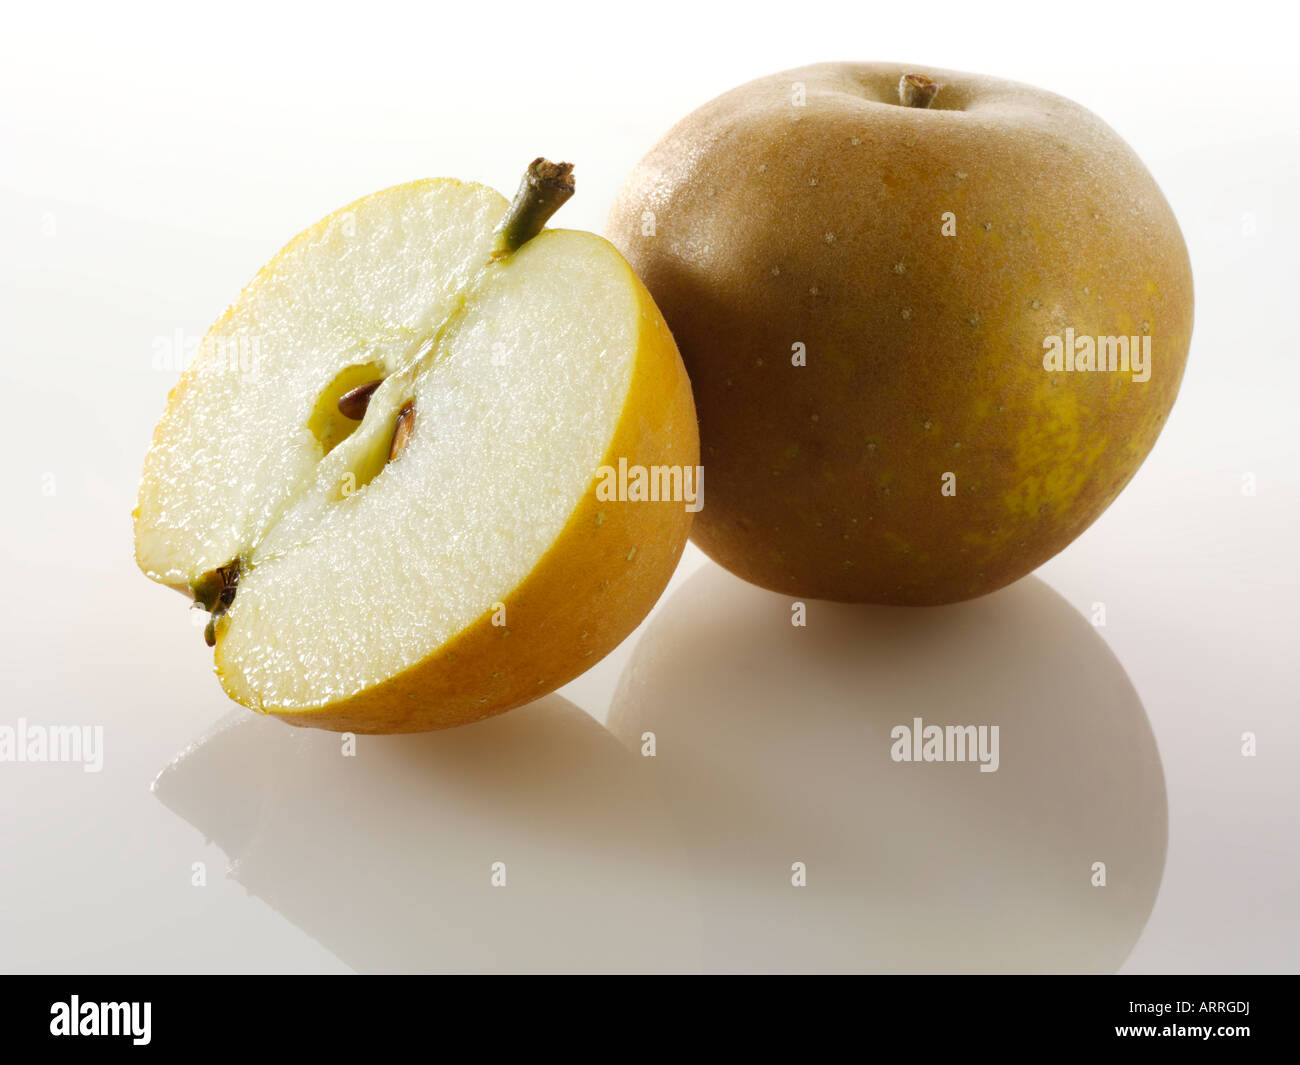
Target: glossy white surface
x,y
151,165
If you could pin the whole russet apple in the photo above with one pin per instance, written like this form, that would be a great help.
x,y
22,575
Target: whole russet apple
x,y
888,284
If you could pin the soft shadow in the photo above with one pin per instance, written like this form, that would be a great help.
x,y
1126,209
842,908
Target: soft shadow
x,y
386,858
773,746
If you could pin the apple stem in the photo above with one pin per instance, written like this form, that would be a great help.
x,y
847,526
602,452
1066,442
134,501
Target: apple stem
x,y
543,191
916,90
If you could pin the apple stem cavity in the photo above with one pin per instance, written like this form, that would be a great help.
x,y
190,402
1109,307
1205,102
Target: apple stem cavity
x,y
916,90
545,188
353,404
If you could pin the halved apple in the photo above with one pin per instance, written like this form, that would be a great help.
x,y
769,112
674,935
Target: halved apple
x,y
379,473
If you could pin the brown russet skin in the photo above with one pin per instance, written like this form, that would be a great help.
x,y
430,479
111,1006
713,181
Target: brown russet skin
x,y
765,220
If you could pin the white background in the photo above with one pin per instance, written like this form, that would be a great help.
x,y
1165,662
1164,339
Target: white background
x,y
152,157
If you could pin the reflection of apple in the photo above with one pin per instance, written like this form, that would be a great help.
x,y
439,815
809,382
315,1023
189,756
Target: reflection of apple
x,y
773,746
378,474
861,291
387,858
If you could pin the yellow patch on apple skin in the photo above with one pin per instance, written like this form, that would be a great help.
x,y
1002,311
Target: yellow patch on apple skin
x,y
1125,321
1053,460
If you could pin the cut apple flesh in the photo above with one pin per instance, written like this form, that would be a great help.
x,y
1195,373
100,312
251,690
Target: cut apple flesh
x,y
509,428
358,559
363,288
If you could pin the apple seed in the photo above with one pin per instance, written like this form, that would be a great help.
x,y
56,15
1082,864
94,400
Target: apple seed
x,y
353,404
402,430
